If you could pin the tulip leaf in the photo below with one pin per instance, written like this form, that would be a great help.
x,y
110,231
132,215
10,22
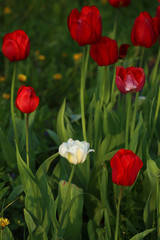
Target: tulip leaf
x,y
61,129
150,206
102,149
100,233
15,193
7,150
45,165
29,221
134,140
53,136
114,125
73,221
143,234
47,196
91,229
33,199
107,225
40,234
6,234
90,122
109,155
153,171
97,125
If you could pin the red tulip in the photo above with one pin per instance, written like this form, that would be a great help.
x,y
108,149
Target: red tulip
x,y
26,100
105,52
16,45
85,27
129,79
123,49
145,30
158,12
125,167
119,3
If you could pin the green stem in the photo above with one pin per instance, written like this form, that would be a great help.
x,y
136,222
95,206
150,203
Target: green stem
x,y
103,88
12,105
27,141
129,96
158,210
155,117
136,100
82,89
134,114
67,194
156,67
118,213
142,56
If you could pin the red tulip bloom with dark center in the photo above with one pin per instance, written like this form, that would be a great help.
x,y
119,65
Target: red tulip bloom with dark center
x,y
129,79
26,100
105,52
123,49
145,30
85,27
119,3
125,167
16,45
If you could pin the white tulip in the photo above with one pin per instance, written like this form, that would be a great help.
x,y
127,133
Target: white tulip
x,y
75,151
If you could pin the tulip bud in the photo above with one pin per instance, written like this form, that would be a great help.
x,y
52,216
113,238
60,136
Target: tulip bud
x,y
85,27
119,3
26,100
129,79
16,45
145,30
123,49
105,52
125,167
75,151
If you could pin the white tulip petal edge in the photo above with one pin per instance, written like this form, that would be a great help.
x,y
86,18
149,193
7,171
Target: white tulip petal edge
x,y
75,151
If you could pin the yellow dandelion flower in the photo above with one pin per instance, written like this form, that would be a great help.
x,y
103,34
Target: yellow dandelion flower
x,y
2,79
64,55
19,221
7,10
77,56
22,77
37,52
41,57
57,76
4,222
6,96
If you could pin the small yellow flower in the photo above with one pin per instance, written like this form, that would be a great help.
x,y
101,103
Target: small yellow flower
x,y
77,56
4,222
64,55
57,76
37,52
6,96
22,77
7,10
41,57
19,221
2,79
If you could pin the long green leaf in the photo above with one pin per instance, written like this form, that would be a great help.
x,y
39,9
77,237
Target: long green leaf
x,y
141,235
